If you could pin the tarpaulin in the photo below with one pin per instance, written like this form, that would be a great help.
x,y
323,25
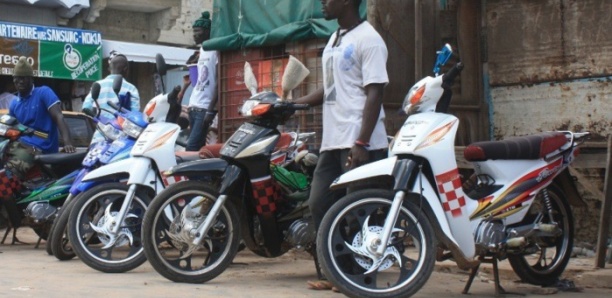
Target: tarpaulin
x,y
240,24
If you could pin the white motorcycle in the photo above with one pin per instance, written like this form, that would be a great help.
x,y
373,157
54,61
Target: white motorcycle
x,y
104,226
384,242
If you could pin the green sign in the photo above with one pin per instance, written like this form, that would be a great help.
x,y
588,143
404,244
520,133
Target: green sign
x,y
61,53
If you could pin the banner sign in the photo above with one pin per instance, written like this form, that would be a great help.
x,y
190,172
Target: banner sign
x,y
61,53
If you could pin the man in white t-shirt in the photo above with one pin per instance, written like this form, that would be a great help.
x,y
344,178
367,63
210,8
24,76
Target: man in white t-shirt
x,y
204,94
354,75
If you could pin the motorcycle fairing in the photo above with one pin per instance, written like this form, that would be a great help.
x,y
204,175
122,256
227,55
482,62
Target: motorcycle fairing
x,y
57,190
515,197
215,166
138,169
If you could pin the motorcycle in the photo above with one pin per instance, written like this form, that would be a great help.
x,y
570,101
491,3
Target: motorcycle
x,y
44,188
191,230
382,242
160,108
115,146
104,225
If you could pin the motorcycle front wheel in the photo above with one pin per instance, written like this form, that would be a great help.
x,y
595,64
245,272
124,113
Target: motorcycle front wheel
x,y
544,261
89,229
170,225
344,252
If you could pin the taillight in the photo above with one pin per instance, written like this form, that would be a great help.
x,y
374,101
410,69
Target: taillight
x,y
12,133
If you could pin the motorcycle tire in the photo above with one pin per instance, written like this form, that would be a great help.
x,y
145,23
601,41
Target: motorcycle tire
x,y
547,269
175,212
59,243
98,205
49,237
345,259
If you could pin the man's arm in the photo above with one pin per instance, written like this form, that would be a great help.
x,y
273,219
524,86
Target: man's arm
x,y
371,110
58,118
312,99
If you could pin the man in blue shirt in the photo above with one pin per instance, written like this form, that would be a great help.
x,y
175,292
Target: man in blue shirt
x,y
39,109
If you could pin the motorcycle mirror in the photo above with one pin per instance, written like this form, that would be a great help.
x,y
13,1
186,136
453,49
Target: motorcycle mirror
x,y
117,82
295,73
249,78
92,112
160,64
95,91
442,57
161,70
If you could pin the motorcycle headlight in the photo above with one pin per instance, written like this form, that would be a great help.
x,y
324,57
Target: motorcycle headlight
x,y
109,131
247,107
130,128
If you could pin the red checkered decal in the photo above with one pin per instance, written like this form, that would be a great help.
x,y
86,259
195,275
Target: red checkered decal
x,y
451,193
167,180
8,186
265,193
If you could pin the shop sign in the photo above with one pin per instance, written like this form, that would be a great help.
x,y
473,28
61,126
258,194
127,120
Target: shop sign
x,y
53,52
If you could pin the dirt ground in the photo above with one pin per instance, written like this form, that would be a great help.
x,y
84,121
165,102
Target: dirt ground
x,y
29,272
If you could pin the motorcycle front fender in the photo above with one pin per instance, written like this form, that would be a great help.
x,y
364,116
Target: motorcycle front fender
x,y
197,168
379,168
138,170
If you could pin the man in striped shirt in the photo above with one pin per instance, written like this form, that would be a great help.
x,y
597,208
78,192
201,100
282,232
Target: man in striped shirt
x,y
118,65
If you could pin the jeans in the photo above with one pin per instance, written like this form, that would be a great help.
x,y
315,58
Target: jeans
x,y
197,136
331,164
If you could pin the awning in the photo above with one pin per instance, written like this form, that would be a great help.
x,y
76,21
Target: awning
x,y
139,52
241,24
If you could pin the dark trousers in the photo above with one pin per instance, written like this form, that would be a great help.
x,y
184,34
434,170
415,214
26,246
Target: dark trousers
x,y
331,164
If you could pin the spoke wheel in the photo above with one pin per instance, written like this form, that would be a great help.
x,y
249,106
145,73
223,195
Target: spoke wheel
x,y
99,250
547,257
346,256
170,226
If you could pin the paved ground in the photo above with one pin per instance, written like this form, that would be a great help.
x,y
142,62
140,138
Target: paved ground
x,y
29,272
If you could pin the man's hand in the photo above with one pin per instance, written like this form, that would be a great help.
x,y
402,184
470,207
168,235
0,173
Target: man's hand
x,y
68,148
357,156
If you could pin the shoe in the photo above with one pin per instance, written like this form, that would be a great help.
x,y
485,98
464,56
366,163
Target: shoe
x,y
320,285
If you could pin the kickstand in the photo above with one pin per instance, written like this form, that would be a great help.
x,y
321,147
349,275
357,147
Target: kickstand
x,y
499,290
316,261
37,243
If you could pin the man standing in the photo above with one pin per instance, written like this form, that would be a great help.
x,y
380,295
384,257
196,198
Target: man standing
x,y
118,65
354,75
204,95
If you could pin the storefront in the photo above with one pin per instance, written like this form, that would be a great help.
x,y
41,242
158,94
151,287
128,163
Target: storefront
x,y
64,59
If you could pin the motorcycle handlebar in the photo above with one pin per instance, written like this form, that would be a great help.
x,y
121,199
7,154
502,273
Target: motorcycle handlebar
x,y
299,106
452,73
114,106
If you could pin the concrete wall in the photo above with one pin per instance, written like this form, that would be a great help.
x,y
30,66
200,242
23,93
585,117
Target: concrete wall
x,y
35,15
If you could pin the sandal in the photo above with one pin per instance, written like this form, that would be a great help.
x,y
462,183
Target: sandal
x,y
320,285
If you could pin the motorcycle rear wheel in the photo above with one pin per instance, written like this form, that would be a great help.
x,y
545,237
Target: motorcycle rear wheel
x,y
539,268
88,245
340,234
169,226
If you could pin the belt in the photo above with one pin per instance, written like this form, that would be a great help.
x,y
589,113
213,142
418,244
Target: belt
x,y
196,109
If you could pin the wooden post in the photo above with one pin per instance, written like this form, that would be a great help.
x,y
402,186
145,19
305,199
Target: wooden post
x,y
604,226
418,41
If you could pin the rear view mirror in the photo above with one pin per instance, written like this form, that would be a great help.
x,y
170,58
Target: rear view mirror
x,y
249,78
160,64
443,55
117,82
95,91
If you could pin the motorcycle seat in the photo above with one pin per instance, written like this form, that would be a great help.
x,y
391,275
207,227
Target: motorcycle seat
x,y
61,158
526,147
185,156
